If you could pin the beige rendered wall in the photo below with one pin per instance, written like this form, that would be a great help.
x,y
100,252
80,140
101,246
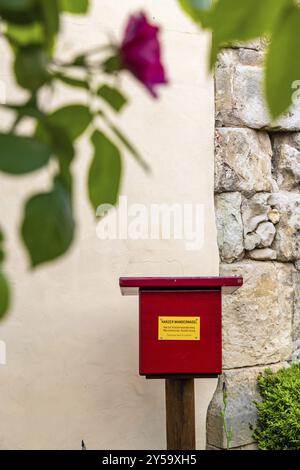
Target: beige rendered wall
x,y
72,340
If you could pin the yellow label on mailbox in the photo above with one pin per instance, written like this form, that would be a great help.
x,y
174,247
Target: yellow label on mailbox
x,y
179,328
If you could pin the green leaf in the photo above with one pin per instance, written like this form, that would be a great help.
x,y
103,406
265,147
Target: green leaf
x,y
31,67
56,137
112,64
61,144
23,35
16,5
283,64
64,150
78,61
4,295
50,14
198,10
105,171
74,119
112,96
75,6
2,254
48,225
59,130
19,155
19,11
236,20
74,82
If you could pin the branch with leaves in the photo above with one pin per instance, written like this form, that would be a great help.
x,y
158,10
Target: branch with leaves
x,y
31,29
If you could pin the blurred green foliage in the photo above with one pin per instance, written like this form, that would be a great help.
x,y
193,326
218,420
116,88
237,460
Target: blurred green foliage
x,y
31,29
4,287
278,423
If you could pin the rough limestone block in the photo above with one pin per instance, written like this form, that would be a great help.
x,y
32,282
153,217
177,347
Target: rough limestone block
x,y
257,318
287,161
241,411
229,226
287,240
242,161
240,99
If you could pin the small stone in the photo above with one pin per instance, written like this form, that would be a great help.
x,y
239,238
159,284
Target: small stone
x,y
251,241
263,254
254,211
297,265
274,216
266,231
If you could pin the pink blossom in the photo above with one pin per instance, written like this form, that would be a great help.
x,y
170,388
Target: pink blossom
x,y
140,52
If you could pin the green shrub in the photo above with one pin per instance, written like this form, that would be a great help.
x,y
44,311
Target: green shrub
x,y
278,425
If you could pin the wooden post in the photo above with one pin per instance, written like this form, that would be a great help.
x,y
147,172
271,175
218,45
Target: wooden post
x,y
180,414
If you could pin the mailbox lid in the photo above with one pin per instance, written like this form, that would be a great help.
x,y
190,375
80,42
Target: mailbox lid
x,y
133,285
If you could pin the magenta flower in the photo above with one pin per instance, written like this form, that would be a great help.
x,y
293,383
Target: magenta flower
x,y
140,52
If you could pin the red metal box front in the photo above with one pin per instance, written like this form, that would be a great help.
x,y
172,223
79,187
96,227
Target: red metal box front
x,y
201,356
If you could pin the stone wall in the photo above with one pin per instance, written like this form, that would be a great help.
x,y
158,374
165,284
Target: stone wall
x,y
257,201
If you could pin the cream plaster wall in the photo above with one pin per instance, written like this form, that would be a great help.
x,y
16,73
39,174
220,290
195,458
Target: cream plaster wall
x,y
72,340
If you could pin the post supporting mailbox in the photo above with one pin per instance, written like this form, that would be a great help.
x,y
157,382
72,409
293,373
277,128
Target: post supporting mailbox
x,y
180,338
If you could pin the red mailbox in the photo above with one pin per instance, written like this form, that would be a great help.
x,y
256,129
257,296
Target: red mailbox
x,y
180,323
